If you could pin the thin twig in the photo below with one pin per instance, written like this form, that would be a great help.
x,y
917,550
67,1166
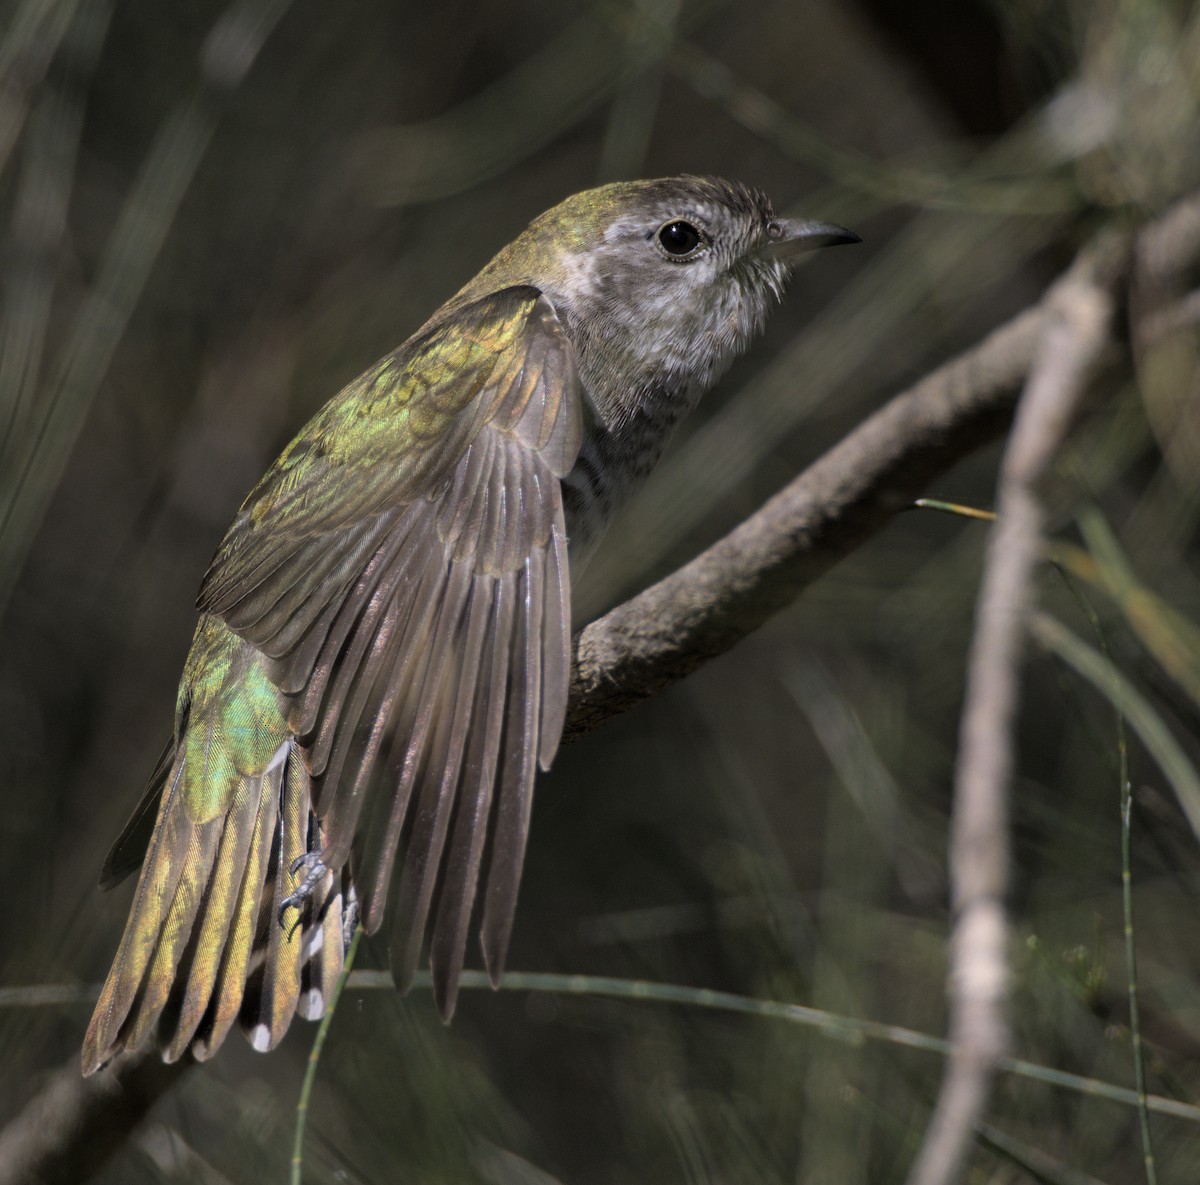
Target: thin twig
x,y
1080,314
1096,533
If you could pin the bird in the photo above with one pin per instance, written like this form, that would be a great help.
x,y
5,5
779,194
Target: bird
x,y
382,656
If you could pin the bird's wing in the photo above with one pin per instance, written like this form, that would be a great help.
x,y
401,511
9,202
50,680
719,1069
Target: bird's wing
x,y
403,566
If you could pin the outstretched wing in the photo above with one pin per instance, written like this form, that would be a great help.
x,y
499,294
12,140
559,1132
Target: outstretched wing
x,y
403,567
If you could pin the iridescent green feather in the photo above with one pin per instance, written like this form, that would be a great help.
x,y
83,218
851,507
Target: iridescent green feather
x,y
237,719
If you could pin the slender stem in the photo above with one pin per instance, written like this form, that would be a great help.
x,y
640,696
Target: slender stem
x,y
1135,1026
837,1026
314,1056
854,1030
1088,525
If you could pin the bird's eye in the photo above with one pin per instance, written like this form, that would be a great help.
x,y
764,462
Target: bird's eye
x,y
680,239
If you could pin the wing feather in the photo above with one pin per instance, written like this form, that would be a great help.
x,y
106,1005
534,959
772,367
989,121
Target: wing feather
x,y
283,609
470,827
392,692
419,730
441,782
403,567
515,790
556,645
306,673
390,438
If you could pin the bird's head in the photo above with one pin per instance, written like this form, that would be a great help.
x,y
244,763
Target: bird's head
x,y
659,280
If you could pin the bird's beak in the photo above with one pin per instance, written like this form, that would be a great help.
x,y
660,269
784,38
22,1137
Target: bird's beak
x,y
789,237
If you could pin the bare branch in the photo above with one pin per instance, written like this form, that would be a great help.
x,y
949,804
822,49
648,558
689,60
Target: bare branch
x,y
1079,315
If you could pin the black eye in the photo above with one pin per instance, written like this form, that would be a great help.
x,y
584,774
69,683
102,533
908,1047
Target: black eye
x,y
679,238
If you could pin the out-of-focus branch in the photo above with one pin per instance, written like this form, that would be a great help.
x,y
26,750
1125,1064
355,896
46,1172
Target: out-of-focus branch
x,y
74,1124
30,40
1169,244
1159,285
1079,315
33,463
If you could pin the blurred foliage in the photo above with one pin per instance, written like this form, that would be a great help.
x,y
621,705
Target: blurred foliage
x,y
214,216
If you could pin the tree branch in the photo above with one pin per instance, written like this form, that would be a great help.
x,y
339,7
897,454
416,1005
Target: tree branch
x,y
74,1124
832,508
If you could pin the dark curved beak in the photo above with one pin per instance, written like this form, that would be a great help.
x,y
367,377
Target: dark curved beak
x,y
788,237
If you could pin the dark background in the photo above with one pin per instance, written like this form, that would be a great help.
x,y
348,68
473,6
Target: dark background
x,y
194,261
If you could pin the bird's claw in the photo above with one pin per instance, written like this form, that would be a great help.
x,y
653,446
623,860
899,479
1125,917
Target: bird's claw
x,y
315,872
309,860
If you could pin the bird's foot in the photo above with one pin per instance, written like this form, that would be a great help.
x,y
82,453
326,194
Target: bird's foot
x,y
315,871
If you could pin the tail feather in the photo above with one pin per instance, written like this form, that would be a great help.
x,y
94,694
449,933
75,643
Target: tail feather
x,y
175,933
273,988
230,985
161,873
212,937
203,946
323,943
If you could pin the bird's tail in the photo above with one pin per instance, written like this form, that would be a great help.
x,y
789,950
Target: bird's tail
x,y
204,944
